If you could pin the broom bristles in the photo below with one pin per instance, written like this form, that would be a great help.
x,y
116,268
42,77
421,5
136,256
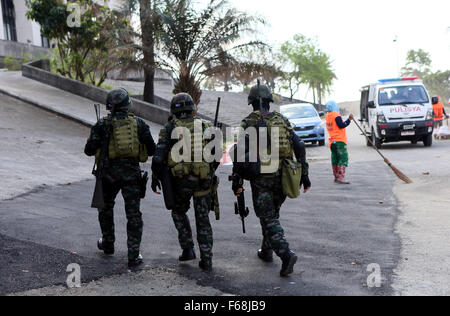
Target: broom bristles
x,y
397,172
400,175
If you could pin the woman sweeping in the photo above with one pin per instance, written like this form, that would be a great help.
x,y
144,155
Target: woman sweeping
x,y
338,141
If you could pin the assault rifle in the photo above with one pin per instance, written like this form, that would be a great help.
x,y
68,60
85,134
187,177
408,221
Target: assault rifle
x,y
239,206
215,203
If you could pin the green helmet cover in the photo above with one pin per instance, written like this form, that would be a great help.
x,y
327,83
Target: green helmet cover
x,y
182,102
261,91
118,100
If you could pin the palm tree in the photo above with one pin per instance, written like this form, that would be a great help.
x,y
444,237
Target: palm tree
x,y
318,74
191,38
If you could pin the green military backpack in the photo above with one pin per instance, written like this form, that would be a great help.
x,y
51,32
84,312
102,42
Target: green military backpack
x,y
283,143
200,169
124,140
276,120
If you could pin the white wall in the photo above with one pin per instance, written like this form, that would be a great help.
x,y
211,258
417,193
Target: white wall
x,y
27,31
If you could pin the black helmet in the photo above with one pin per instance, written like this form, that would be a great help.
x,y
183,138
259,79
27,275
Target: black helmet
x,y
260,91
182,102
118,100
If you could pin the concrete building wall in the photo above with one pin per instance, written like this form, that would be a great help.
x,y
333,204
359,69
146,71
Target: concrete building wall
x,y
27,31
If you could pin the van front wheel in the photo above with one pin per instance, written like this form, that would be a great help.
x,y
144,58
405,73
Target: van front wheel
x,y
375,140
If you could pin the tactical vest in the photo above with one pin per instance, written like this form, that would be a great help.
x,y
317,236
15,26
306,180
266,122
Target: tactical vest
x,y
275,120
124,140
184,169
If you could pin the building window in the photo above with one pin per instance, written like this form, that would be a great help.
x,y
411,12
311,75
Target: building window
x,y
9,20
45,42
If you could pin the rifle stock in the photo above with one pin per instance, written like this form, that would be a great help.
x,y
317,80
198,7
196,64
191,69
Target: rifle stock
x,y
98,199
167,188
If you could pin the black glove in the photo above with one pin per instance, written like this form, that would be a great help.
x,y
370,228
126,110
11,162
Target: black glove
x,y
156,184
305,182
238,183
157,164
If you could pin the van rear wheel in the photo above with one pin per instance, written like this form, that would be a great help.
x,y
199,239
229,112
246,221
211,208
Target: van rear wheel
x,y
428,140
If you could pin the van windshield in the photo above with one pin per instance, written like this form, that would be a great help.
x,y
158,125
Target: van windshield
x,y
299,112
402,95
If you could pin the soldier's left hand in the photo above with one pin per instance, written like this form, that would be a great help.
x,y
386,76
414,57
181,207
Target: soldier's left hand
x,y
156,185
305,183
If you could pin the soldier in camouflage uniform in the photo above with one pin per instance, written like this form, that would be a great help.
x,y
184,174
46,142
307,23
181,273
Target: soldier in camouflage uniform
x,y
122,171
189,180
267,191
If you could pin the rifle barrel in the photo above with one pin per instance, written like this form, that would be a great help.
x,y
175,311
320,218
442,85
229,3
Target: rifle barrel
x,y
216,119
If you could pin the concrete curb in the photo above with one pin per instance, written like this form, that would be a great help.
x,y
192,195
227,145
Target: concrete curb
x,y
50,109
38,71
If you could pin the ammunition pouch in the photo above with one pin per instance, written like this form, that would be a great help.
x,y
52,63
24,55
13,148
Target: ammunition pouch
x,y
202,170
291,174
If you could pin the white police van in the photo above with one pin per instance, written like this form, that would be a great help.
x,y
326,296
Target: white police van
x,y
399,109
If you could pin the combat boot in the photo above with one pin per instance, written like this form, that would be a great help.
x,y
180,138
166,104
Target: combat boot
x,y
289,260
134,263
205,265
106,248
187,255
265,255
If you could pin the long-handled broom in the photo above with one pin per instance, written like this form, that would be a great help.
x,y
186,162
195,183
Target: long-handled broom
x,y
397,172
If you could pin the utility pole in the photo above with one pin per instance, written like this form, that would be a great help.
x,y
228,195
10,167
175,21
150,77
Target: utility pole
x,y
397,55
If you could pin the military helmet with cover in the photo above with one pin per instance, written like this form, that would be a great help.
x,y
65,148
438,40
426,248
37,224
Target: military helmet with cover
x,y
260,91
118,100
182,102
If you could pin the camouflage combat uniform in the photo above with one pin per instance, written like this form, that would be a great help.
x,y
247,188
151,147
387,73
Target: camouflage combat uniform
x,y
268,198
121,175
267,189
186,188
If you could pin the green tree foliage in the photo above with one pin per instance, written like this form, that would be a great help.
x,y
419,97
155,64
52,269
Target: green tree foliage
x,y
256,61
304,63
438,83
221,70
86,52
418,63
191,37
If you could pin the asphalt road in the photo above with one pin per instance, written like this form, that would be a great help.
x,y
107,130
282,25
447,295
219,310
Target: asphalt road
x,y
337,231
335,237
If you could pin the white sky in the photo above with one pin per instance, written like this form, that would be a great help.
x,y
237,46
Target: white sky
x,y
359,34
